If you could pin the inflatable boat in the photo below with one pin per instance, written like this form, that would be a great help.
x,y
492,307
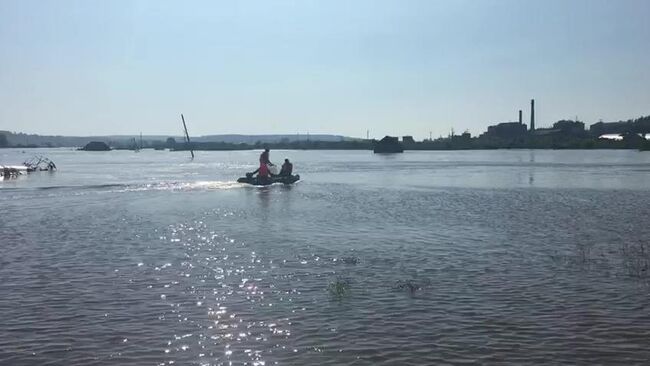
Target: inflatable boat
x,y
254,180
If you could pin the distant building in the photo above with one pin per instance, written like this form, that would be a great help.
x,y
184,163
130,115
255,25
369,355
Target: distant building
x,y
640,125
464,137
633,138
388,144
408,140
607,128
96,146
570,128
546,132
506,130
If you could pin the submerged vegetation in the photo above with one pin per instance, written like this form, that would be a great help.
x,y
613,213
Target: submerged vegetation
x,y
636,259
631,260
411,285
339,288
350,260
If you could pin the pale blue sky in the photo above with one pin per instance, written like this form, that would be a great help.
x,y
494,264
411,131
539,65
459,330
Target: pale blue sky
x,y
394,67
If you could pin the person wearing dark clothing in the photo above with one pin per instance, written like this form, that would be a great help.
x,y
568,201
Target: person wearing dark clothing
x,y
287,168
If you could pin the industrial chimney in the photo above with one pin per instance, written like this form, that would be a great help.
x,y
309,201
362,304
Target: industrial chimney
x,y
532,114
520,120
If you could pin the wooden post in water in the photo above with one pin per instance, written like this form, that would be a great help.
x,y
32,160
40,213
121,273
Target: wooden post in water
x,y
187,136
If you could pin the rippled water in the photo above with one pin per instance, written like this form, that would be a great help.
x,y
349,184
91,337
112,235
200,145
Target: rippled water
x,y
494,257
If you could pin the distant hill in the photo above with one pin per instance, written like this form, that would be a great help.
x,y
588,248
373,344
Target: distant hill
x,y
22,139
251,139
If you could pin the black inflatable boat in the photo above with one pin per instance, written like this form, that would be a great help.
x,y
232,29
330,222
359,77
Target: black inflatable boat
x,y
254,180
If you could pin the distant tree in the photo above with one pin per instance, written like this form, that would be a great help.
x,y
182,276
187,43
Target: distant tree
x,y
171,142
3,140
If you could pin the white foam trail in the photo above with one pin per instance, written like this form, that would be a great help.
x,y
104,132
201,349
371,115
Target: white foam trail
x,y
180,186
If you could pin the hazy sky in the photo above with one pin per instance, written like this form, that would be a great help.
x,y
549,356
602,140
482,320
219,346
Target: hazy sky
x,y
393,67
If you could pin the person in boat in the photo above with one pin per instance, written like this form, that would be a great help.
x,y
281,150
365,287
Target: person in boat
x,y
287,168
263,171
264,158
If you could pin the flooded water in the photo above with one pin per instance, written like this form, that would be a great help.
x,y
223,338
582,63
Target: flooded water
x,y
493,257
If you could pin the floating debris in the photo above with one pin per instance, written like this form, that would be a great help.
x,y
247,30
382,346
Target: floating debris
x,y
37,163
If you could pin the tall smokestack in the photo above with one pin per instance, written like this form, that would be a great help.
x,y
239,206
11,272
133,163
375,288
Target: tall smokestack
x,y
532,114
520,120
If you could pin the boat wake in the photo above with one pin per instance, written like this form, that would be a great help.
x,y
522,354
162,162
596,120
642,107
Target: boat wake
x,y
131,187
179,186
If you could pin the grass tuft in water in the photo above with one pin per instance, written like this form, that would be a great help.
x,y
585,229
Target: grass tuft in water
x,y
411,286
350,260
339,287
584,257
635,259
629,260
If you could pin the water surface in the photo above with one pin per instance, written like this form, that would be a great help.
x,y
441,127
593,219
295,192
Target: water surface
x,y
496,257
